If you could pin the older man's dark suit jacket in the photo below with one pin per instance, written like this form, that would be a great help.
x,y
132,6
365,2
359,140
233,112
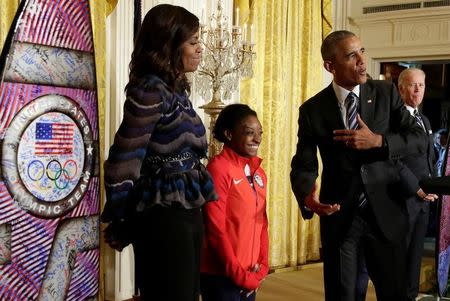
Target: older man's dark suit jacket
x,y
418,167
422,166
347,172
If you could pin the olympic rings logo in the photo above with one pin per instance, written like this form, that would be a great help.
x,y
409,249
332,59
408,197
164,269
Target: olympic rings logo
x,y
59,174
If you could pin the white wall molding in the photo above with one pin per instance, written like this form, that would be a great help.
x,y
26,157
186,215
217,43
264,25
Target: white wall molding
x,y
414,34
119,272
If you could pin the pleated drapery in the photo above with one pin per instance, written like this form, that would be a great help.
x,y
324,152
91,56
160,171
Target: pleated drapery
x,y
287,71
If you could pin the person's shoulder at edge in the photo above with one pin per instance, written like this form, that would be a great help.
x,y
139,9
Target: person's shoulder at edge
x,y
219,163
219,168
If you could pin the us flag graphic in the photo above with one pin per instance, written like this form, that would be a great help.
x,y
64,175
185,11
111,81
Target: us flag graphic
x,y
53,138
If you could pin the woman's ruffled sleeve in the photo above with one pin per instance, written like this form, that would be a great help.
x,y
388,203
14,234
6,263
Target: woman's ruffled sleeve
x,y
142,110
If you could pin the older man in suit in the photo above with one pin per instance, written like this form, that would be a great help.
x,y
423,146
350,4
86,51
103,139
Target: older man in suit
x,y
361,129
411,84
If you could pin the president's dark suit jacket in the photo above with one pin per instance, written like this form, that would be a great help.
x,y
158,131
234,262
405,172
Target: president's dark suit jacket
x,y
347,172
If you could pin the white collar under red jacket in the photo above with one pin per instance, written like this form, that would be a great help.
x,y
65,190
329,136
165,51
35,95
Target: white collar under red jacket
x,y
236,234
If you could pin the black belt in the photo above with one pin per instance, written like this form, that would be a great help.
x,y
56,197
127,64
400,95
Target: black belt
x,y
159,159
157,164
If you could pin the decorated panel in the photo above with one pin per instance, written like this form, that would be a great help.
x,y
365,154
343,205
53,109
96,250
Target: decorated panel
x,y
49,185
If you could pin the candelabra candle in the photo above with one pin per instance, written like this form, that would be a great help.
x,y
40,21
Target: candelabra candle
x,y
235,34
227,57
244,34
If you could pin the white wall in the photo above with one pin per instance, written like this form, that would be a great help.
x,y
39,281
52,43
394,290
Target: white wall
x,y
119,270
402,35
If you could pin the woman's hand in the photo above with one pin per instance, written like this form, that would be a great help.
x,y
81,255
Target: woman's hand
x,y
256,268
115,236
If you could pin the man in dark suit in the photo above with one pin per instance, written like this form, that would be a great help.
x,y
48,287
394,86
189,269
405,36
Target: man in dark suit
x,y
411,85
361,129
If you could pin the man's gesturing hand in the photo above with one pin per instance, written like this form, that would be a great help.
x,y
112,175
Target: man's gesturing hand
x,y
362,138
313,203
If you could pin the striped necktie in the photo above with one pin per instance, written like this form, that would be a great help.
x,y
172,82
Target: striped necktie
x,y
351,105
419,119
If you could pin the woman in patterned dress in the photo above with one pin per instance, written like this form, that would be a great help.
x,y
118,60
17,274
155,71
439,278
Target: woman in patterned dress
x,y
154,180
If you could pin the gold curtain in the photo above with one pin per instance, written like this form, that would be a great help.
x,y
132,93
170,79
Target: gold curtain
x,y
7,14
288,71
327,23
99,12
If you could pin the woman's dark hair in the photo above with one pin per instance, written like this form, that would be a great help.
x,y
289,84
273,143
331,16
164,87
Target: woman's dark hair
x,y
157,49
229,118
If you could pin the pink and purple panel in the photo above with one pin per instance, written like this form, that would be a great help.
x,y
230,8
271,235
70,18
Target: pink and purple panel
x,y
49,139
57,23
84,280
14,96
30,246
444,239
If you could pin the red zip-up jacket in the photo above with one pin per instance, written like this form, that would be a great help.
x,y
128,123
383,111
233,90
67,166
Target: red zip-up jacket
x,y
236,234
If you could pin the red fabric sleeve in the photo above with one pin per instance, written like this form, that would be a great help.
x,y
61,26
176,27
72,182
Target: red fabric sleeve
x,y
216,231
264,250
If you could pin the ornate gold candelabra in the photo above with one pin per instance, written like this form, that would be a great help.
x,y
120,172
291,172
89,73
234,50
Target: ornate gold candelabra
x,y
228,56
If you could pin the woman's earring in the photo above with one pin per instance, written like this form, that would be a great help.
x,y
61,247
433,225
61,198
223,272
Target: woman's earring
x,y
227,135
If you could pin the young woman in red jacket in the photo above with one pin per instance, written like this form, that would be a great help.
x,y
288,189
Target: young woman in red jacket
x,y
235,254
